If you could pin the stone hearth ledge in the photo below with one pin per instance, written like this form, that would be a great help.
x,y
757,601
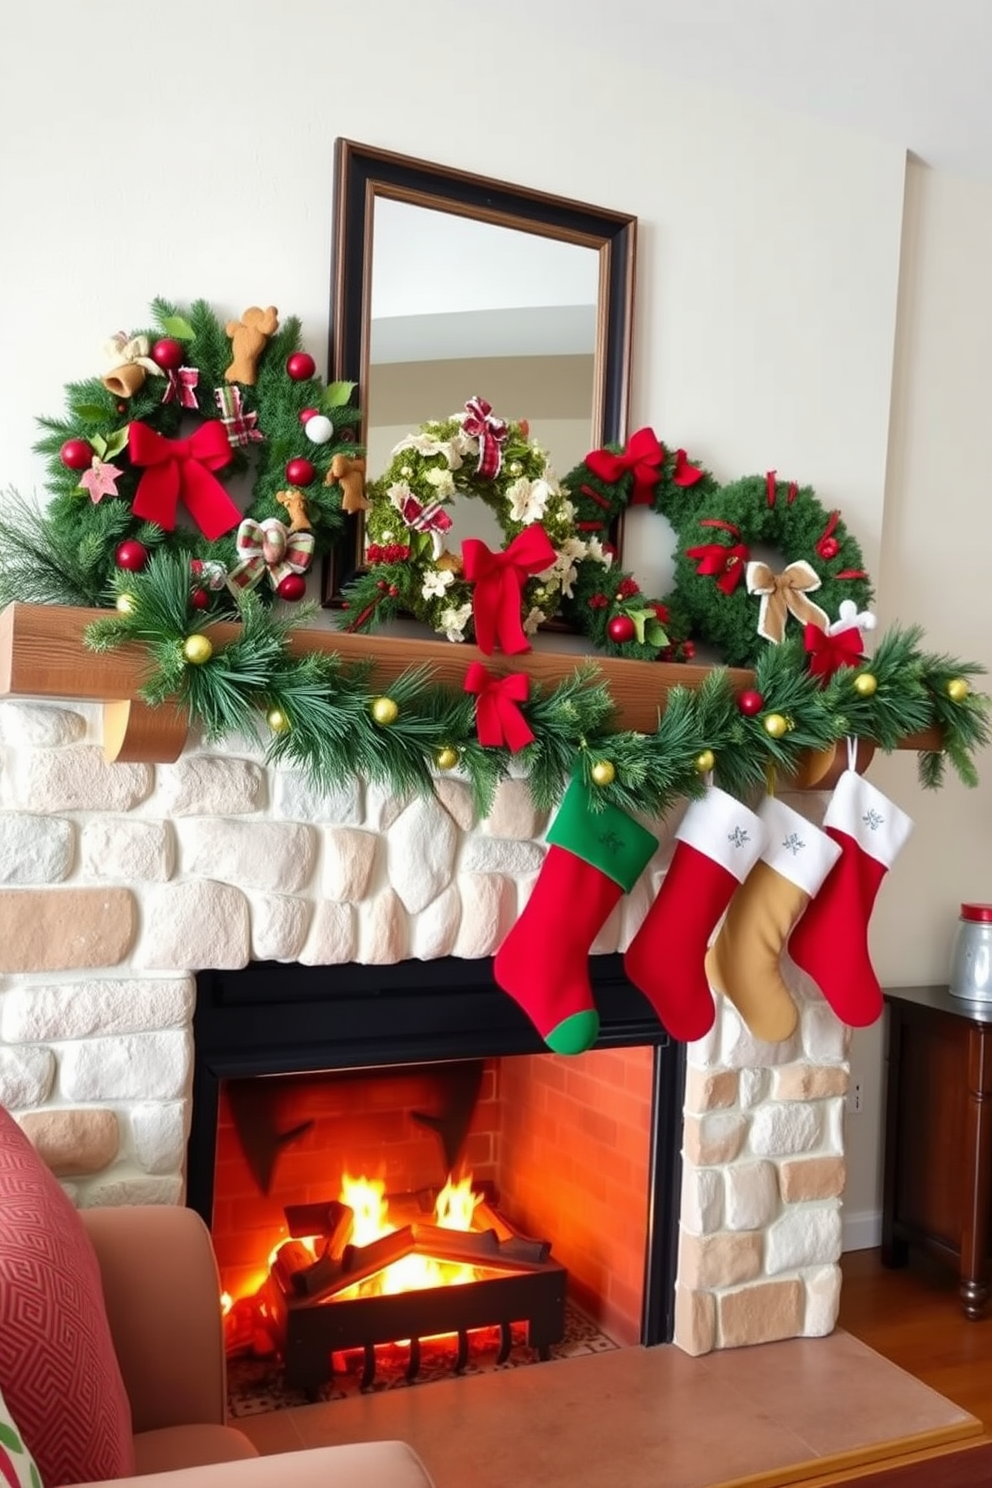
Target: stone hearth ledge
x,y
119,882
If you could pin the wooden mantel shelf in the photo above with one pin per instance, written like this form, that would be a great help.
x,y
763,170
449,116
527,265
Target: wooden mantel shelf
x,y
43,654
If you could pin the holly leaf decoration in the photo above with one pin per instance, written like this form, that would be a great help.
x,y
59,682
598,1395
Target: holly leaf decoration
x,y
99,445
93,413
648,628
115,444
337,394
178,326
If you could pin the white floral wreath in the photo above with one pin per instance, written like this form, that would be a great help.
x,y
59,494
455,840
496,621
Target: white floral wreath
x,y
474,454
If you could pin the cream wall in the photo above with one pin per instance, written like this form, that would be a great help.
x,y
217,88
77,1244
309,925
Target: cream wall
x,y
196,160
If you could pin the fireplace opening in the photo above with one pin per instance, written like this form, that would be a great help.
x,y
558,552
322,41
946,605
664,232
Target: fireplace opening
x,y
420,1081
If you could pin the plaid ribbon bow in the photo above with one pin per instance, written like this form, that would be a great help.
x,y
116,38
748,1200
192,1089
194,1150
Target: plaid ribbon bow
x,y
491,432
269,547
181,387
241,427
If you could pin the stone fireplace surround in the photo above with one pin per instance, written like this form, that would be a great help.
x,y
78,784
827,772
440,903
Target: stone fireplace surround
x,y
119,882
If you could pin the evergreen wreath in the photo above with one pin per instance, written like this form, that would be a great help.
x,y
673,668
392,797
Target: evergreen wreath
x,y
463,596
182,408
608,606
737,602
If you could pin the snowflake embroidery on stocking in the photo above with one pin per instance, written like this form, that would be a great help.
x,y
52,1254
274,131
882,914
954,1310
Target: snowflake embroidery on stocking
x,y
739,836
611,841
793,843
872,820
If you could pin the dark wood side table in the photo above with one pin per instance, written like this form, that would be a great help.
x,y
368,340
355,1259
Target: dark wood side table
x,y
937,1187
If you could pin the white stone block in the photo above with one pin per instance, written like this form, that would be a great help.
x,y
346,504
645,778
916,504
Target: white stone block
x,y
513,813
158,1133
75,1010
782,1130
26,1076
434,930
751,1196
500,855
275,856
114,1193
349,862
739,1049
35,849
297,799
33,725
823,1288
420,851
195,925
704,1053
807,1236
382,930
702,1200
384,806
833,1125
78,778
485,917
279,926
128,849
136,1066
207,785
456,798
333,937
825,1038
752,1087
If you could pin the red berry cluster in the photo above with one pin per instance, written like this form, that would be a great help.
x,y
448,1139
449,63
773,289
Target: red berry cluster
x,y
387,553
598,601
627,588
389,589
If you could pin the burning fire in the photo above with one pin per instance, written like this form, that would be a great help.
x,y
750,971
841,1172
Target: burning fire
x,y
453,1210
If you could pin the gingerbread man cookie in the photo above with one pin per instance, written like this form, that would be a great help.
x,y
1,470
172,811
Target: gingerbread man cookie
x,y
296,509
349,474
248,337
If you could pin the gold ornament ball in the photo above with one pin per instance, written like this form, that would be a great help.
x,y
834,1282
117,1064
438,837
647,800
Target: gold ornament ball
x,y
125,604
775,725
705,761
385,711
197,649
865,685
446,758
958,689
603,772
277,721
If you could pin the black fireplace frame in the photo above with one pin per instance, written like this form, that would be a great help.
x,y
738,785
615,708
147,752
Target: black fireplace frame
x,y
271,1018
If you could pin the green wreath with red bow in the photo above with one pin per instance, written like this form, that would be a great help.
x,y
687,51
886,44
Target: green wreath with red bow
x,y
211,437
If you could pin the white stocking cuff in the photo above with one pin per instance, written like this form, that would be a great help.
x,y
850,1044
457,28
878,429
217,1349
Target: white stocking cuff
x,y
724,830
796,849
878,826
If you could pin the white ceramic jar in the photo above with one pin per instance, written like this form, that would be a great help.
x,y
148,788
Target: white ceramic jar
x,y
971,959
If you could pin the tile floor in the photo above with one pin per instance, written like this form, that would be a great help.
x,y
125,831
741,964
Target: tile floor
x,y
641,1418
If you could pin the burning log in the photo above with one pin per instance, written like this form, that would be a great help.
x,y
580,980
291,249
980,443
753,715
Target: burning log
x,y
463,1247
332,1220
290,1259
513,1246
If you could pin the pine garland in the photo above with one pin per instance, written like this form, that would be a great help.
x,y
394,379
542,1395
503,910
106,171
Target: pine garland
x,y
326,717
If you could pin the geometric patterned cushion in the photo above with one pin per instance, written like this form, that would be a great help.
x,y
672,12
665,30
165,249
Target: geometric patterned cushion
x,y
17,1466
58,1369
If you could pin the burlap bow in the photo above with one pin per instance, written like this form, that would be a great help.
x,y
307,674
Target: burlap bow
x,y
784,594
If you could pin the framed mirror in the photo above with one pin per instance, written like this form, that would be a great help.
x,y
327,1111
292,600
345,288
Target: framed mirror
x,y
447,285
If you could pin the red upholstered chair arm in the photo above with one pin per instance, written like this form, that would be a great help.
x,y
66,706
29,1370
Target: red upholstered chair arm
x,y
163,1304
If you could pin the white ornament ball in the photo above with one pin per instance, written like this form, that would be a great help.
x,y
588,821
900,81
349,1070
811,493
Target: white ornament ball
x,y
319,429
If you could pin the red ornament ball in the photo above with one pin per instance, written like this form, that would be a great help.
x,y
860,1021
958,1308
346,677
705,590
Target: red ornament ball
x,y
828,547
300,366
620,629
199,599
308,414
300,472
131,555
750,702
168,353
76,454
292,587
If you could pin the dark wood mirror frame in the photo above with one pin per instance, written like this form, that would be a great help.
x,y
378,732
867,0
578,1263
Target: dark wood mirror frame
x,y
362,173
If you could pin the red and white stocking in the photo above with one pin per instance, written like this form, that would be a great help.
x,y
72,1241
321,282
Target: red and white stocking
x,y
830,943
717,843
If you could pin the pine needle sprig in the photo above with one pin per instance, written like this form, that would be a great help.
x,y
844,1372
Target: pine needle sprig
x,y
963,721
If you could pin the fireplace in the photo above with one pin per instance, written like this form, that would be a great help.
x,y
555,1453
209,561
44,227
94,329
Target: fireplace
x,y
443,1022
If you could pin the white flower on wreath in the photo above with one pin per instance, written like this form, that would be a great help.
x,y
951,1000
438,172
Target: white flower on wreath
x,y
429,444
453,621
562,573
528,500
398,493
465,445
596,551
436,582
532,620
442,480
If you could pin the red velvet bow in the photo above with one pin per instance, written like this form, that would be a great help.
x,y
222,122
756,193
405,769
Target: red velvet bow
x,y
728,564
642,455
499,579
684,473
182,469
498,719
491,432
828,653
